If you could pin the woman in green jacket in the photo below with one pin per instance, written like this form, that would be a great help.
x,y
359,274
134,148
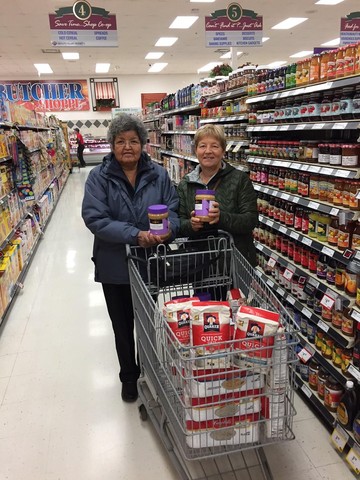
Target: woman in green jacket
x,y
235,209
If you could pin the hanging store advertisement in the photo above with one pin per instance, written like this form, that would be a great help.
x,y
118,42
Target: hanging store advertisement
x,y
234,27
47,96
350,29
82,25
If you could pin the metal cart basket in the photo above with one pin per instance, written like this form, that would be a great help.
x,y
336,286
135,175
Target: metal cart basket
x,y
216,409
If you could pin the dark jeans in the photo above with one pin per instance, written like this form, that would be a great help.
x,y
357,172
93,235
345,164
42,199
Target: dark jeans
x,y
80,155
119,305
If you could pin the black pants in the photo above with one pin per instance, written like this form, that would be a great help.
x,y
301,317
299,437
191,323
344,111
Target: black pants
x,y
80,155
119,305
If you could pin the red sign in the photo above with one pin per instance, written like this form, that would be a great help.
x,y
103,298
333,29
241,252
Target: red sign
x,y
47,96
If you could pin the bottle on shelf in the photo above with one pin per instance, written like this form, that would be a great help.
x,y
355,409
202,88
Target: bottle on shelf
x,y
356,427
348,406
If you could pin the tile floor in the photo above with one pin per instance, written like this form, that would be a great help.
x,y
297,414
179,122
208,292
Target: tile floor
x,y
61,416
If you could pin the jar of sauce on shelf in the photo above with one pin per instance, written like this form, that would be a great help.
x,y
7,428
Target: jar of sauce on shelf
x,y
331,65
335,106
324,153
340,276
313,259
346,358
356,102
333,232
311,151
322,379
314,107
314,69
324,58
357,58
305,71
295,114
345,231
350,155
338,192
323,189
355,242
348,323
335,154
322,227
336,319
305,222
314,186
326,104
336,357
349,68
327,348
350,281
346,193
319,339
340,62
314,368
346,103
331,271
354,203
333,394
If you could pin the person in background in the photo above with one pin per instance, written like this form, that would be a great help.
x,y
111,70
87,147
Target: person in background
x,y
235,209
117,195
80,147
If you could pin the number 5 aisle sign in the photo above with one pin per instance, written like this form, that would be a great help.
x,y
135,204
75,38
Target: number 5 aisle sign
x,y
83,26
234,27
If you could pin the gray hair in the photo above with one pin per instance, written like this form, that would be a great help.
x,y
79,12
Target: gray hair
x,y
124,123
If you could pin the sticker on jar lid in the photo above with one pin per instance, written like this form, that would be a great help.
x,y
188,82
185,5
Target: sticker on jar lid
x,y
323,326
306,390
339,437
353,459
339,126
327,251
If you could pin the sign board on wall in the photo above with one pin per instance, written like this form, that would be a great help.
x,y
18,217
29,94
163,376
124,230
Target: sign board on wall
x,y
234,27
350,29
47,96
115,112
83,26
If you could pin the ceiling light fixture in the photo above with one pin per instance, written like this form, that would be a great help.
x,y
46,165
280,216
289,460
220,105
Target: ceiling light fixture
x,y
184,22
278,63
303,53
208,67
102,67
157,67
331,43
154,55
289,23
43,68
202,1
328,2
166,41
70,55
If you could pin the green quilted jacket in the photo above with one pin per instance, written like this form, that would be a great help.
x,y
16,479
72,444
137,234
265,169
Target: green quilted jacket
x,y
238,209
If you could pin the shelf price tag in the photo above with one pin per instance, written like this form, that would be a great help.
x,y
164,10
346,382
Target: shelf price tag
x,y
313,205
260,247
326,171
327,302
306,312
229,145
305,355
300,127
271,128
284,128
267,162
285,196
353,459
355,315
305,389
281,292
339,438
318,126
272,262
307,241
354,372
270,223
323,326
296,199
334,211
314,169
291,300
288,274
327,251
283,230
237,147
270,283
339,126
294,235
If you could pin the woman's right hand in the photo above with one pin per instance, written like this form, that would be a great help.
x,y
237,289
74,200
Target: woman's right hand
x,y
147,239
196,223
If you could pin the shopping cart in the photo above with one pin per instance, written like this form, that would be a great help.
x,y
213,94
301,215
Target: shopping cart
x,y
214,413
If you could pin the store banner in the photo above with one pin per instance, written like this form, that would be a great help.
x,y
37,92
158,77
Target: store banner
x,y
47,96
115,112
234,27
350,29
83,26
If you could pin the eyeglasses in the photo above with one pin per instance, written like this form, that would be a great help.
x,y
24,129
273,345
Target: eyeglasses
x,y
131,143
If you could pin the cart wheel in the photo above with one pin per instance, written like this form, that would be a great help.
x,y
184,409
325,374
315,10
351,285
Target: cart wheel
x,y
143,412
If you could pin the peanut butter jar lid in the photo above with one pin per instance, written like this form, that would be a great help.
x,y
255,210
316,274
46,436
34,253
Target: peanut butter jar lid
x,y
157,209
205,192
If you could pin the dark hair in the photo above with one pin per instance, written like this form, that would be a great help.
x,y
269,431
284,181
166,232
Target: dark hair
x,y
76,129
124,123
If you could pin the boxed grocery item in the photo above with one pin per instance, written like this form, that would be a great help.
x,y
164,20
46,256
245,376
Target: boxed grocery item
x,y
231,408
255,329
226,431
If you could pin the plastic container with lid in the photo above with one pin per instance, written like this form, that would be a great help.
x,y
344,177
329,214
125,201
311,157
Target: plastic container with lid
x,y
349,68
340,62
333,394
331,65
315,69
324,58
158,219
203,203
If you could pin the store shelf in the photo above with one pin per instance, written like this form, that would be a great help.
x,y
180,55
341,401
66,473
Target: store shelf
x,y
318,87
227,95
156,145
179,155
305,239
188,108
232,118
179,132
325,327
304,202
335,125
341,172
302,273
5,159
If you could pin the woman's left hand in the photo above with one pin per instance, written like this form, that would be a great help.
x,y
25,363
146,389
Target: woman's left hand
x,y
214,213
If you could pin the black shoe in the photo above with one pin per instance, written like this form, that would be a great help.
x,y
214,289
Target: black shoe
x,y
129,391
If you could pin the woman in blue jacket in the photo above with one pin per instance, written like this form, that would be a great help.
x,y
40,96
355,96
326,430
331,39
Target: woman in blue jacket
x,y
117,195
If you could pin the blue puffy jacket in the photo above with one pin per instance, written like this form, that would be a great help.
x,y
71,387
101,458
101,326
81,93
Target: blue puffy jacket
x,y
115,213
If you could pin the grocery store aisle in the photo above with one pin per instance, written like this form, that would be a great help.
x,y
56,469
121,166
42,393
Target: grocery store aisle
x,y
61,415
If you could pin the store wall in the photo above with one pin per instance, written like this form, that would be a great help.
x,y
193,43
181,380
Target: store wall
x,y
130,89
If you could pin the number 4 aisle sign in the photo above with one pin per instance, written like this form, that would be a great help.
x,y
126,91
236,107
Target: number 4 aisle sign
x,y
234,27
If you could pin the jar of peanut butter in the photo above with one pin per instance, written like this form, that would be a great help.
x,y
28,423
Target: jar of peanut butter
x,y
203,203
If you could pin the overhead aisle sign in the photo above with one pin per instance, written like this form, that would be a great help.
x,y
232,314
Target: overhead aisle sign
x,y
83,26
350,29
234,27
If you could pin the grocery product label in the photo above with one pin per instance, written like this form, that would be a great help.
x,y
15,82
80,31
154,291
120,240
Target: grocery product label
x,y
339,438
210,325
353,458
177,315
159,227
